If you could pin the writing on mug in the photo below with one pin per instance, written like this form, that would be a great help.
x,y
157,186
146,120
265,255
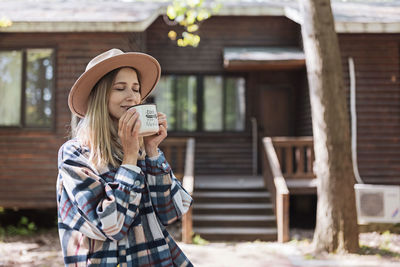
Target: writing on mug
x,y
151,118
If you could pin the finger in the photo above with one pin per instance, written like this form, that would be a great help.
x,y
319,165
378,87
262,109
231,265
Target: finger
x,y
161,115
163,131
136,128
130,123
125,117
121,122
162,119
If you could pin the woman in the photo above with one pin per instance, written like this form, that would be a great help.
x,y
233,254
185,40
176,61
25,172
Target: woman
x,y
115,190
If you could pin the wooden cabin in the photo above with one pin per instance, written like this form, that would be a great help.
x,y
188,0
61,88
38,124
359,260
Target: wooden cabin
x,y
245,81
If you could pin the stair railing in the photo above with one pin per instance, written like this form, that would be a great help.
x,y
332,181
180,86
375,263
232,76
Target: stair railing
x,y
296,156
277,187
174,151
188,184
255,145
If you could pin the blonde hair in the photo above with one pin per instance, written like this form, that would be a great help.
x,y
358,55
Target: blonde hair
x,y
97,130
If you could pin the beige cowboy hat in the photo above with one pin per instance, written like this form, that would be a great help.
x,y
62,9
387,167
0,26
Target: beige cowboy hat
x,y
148,67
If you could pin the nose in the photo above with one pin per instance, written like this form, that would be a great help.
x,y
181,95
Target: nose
x,y
133,97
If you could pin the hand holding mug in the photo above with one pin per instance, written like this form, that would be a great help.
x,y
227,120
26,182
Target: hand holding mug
x,y
128,131
152,142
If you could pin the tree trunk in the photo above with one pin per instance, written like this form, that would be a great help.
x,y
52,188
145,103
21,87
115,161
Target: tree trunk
x,y
336,227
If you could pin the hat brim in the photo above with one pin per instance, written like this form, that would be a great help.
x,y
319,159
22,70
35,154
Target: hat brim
x,y
149,71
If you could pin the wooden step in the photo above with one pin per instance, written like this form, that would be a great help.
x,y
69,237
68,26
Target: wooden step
x,y
219,160
227,167
231,196
229,148
232,189
236,233
229,182
233,208
205,171
206,220
235,143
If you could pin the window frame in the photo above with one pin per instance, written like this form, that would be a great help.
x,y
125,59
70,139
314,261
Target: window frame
x,y
22,123
200,102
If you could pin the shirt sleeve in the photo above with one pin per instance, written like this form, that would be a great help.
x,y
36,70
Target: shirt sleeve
x,y
132,167
169,198
87,203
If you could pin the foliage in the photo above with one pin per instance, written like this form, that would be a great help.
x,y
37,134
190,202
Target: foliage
x,y
5,22
198,240
189,14
24,227
381,251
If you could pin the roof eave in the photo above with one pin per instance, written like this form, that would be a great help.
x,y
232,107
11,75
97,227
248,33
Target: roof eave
x,y
81,26
140,26
367,27
350,26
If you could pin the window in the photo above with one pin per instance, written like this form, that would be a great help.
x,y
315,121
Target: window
x,y
224,104
176,97
26,88
202,103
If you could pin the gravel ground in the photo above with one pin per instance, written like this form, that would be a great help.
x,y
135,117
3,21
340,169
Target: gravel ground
x,y
381,250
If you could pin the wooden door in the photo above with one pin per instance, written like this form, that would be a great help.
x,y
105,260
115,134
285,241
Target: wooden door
x,y
274,111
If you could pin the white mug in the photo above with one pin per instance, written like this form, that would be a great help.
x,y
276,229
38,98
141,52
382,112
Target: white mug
x,y
148,118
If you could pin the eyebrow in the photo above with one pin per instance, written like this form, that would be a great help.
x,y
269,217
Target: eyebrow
x,y
124,83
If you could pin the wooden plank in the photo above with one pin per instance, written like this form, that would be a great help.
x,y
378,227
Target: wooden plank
x,y
288,162
187,227
179,159
188,184
301,159
283,217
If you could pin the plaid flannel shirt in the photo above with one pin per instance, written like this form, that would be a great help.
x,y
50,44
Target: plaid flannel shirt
x,y
116,215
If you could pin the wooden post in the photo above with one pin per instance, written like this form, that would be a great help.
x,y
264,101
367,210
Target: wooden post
x,y
188,184
282,214
300,163
180,161
187,227
289,161
282,192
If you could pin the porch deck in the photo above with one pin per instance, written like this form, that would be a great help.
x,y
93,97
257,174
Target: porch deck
x,y
236,206
287,169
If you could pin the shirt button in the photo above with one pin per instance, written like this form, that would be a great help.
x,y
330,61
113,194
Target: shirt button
x,y
163,165
137,182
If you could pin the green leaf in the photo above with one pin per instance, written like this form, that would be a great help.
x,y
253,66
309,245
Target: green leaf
x,y
171,13
23,220
172,35
203,14
198,240
188,13
191,16
192,28
193,3
4,22
31,226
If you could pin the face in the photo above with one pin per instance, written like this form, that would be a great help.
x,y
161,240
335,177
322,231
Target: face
x,y
125,92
